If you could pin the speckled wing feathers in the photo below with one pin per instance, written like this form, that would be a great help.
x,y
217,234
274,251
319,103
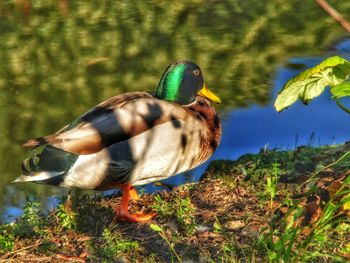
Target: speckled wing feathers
x,y
114,120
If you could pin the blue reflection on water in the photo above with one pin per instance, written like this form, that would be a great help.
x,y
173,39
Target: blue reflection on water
x,y
343,47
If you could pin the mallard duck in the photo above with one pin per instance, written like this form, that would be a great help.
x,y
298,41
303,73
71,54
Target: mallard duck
x,y
132,139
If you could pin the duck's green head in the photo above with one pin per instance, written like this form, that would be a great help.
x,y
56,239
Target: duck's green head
x,y
181,82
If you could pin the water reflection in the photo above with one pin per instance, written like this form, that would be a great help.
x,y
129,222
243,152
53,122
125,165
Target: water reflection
x,y
58,61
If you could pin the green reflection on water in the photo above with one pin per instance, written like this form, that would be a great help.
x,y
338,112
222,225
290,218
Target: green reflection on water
x,y
59,59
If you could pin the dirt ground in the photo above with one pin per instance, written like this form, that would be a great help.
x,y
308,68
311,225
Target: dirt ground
x,y
232,214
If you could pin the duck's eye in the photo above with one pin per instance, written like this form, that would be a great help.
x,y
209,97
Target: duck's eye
x,y
196,72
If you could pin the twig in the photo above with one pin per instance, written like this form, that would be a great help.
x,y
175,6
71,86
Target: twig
x,y
334,14
21,249
163,235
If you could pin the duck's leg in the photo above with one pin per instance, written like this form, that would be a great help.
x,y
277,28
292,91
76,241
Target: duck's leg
x,y
133,195
129,192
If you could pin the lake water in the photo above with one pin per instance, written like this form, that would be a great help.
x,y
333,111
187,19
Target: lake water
x,y
59,60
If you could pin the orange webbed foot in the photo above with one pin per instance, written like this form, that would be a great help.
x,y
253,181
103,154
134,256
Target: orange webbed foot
x,y
129,192
136,218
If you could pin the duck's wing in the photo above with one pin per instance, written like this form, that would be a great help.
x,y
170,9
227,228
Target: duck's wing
x,y
114,120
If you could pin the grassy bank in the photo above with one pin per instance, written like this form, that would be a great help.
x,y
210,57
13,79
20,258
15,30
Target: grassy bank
x,y
275,205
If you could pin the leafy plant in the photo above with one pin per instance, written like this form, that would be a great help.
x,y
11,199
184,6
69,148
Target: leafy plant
x,y
7,239
180,208
217,226
66,217
331,221
185,215
333,72
293,241
29,225
271,182
279,243
163,208
115,244
31,222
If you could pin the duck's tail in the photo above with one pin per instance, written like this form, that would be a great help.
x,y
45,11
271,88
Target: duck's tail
x,y
38,176
47,165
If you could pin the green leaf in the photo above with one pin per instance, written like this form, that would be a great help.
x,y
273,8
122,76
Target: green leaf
x,y
347,179
156,228
345,201
341,90
217,226
312,82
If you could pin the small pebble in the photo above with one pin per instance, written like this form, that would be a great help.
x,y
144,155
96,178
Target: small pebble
x,y
234,225
202,228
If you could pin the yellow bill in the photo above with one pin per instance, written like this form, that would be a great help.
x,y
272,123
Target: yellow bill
x,y
206,93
